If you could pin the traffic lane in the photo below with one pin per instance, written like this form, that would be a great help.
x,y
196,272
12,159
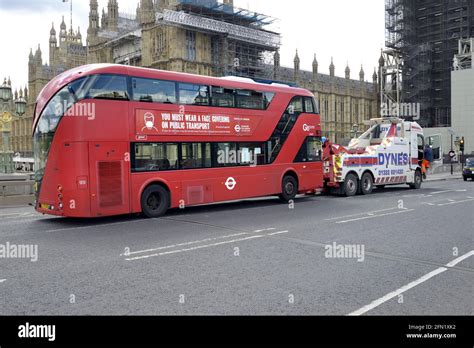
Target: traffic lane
x,y
264,278
449,293
232,217
26,220
376,222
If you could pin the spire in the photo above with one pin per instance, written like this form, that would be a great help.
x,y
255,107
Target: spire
x,y
315,65
16,94
9,82
331,68
297,58
62,32
381,60
374,76
25,93
347,71
112,15
52,36
146,12
103,21
31,54
93,18
78,35
276,59
361,73
38,57
296,62
63,25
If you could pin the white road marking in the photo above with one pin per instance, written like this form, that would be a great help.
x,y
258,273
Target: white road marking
x,y
16,214
456,202
374,216
265,229
184,244
196,242
275,233
438,192
366,213
420,280
2,280
198,247
194,248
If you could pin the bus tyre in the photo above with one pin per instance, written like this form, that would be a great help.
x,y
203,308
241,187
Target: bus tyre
x,y
350,185
465,178
155,201
418,179
289,188
366,184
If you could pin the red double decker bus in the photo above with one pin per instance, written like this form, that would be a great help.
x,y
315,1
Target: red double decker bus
x,y
113,139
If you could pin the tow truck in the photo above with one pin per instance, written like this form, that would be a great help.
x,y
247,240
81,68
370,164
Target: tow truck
x,y
390,152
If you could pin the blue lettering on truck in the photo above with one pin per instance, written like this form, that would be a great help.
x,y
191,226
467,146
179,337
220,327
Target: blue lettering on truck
x,y
394,159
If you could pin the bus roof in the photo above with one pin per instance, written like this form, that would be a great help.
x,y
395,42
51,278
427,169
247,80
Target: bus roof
x,y
70,75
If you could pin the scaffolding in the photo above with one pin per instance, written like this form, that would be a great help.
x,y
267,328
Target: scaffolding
x,y
426,34
240,43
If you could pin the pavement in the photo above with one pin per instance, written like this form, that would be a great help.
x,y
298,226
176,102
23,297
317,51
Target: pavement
x,y
396,252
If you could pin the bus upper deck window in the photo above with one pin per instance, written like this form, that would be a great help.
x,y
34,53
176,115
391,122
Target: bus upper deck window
x,y
152,90
192,94
108,87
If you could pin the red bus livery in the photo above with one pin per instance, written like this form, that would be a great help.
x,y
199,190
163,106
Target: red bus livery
x,y
113,139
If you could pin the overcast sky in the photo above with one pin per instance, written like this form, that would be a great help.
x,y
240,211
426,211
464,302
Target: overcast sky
x,y
348,30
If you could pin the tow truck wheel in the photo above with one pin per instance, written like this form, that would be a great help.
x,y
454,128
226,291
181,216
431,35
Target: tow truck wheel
x,y
155,201
289,188
350,185
418,179
366,184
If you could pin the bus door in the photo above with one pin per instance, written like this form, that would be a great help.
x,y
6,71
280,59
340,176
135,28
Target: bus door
x,y
109,172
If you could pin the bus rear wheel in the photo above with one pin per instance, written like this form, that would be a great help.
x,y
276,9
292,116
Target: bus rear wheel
x,y
289,188
155,201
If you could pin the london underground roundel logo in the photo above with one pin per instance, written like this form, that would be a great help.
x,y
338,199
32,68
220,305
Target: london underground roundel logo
x,y
230,183
237,128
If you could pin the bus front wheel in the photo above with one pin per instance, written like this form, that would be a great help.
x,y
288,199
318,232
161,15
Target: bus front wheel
x,y
155,201
289,188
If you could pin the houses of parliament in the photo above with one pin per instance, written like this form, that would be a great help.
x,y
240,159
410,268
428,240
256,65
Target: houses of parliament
x,y
207,37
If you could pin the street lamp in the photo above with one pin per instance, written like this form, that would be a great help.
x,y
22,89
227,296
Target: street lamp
x,y
20,106
5,91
